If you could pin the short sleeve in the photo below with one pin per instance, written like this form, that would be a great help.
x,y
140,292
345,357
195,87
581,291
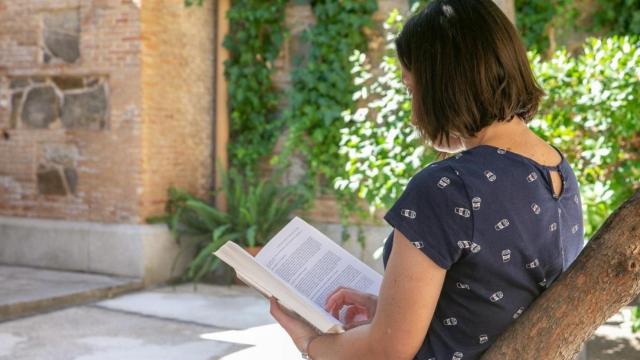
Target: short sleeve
x,y
434,212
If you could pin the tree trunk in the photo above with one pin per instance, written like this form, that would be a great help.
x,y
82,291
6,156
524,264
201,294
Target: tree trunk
x,y
508,7
602,279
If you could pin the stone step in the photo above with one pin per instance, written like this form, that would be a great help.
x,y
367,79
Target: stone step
x,y
28,290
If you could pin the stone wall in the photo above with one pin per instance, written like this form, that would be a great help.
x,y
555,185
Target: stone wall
x,y
103,105
69,109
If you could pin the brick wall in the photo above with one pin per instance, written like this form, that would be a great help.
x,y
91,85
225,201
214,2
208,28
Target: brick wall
x,y
177,80
103,105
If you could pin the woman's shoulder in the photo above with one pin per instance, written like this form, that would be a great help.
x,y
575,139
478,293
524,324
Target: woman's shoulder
x,y
439,178
457,165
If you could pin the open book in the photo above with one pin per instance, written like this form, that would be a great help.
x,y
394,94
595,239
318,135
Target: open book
x,y
301,267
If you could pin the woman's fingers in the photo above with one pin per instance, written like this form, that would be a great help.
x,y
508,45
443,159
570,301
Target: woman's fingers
x,y
356,313
331,298
345,296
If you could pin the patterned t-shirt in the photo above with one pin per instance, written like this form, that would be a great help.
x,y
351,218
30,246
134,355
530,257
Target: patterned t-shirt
x,y
490,217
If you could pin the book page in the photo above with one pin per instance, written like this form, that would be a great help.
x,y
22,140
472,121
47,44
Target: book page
x,y
314,265
257,275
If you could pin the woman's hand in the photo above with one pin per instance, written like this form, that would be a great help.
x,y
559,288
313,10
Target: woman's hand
x,y
300,332
361,306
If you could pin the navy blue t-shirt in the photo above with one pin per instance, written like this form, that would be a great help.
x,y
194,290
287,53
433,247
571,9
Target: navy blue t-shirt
x,y
488,216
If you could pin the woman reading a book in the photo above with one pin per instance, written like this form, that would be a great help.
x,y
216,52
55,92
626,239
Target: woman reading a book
x,y
477,236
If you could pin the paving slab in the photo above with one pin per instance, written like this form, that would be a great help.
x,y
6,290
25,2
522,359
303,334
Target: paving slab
x,y
163,323
89,333
28,290
614,340
229,307
209,322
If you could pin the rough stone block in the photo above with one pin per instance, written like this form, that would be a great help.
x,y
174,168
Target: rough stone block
x,y
62,35
41,107
50,182
85,110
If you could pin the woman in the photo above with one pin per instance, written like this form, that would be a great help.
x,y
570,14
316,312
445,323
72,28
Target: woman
x,y
477,236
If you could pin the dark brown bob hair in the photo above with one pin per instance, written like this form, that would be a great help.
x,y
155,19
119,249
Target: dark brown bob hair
x,y
469,68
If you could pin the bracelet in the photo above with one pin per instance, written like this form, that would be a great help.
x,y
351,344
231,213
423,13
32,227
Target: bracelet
x,y
305,352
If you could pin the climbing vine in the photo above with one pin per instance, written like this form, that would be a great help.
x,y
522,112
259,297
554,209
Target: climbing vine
x,y
619,16
257,31
322,88
548,25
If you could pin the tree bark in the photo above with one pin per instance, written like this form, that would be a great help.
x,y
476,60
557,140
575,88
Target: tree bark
x,y
508,7
604,277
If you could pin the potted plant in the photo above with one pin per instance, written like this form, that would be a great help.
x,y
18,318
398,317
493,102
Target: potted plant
x,y
256,210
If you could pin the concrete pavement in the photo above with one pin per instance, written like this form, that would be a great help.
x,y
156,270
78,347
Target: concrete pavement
x,y
212,322
229,323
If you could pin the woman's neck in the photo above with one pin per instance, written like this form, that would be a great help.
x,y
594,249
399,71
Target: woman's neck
x,y
505,135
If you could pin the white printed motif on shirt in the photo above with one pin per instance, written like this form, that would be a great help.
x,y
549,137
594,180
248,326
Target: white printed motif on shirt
x,y
553,227
490,176
462,286
501,224
496,296
535,208
466,244
443,182
518,313
408,213
531,177
462,211
450,321
532,264
418,244
574,229
506,255
457,355
475,203
483,338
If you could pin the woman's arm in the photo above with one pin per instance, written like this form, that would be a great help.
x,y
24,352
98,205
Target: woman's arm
x,y
408,296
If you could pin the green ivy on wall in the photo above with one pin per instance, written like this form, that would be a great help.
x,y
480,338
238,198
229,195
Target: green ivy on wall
x,y
256,34
552,23
619,16
322,87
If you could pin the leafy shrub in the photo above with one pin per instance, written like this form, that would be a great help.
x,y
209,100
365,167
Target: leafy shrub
x,y
591,113
256,210
379,147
